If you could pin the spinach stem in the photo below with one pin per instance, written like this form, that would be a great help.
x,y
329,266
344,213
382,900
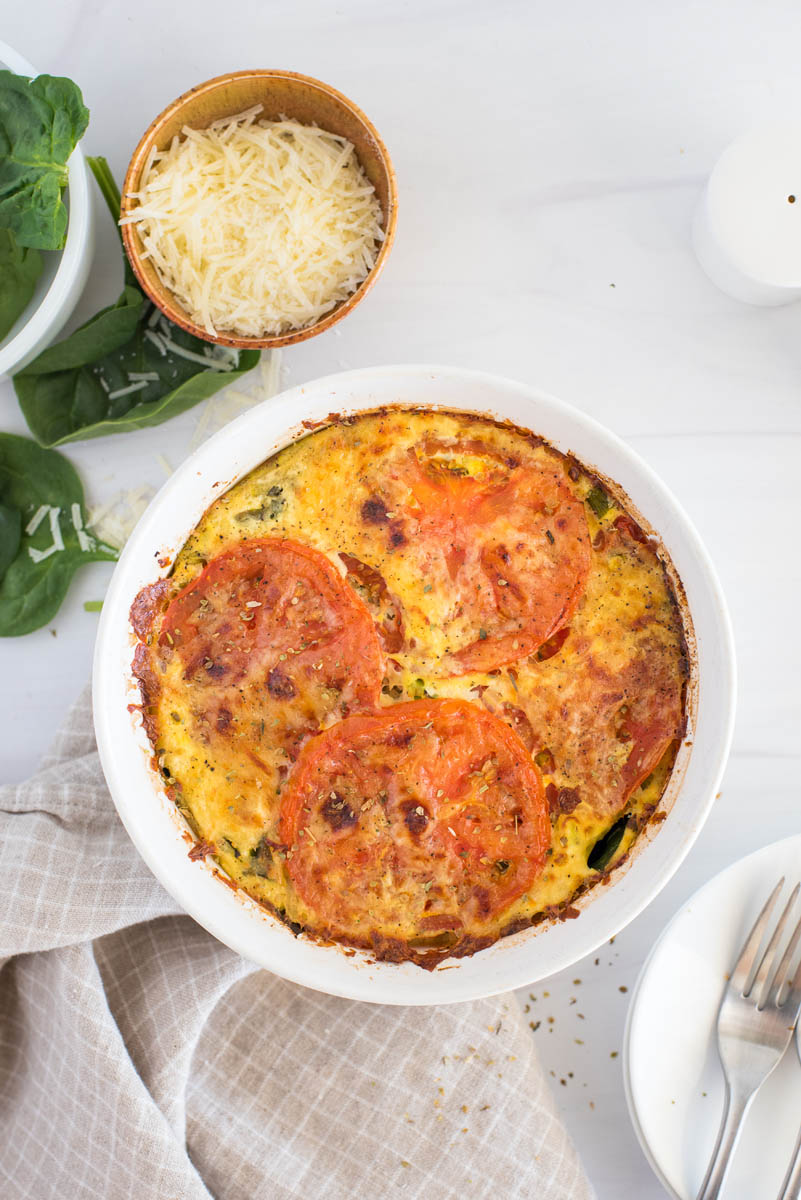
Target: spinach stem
x,y
108,188
111,194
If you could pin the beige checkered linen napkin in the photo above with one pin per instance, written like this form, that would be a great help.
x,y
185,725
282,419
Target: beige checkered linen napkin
x,y
141,1058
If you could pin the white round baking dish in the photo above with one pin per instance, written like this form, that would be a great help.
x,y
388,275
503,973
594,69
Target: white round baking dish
x,y
153,821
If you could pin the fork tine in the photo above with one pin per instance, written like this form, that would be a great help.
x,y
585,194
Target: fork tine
x,y
767,967
782,974
744,968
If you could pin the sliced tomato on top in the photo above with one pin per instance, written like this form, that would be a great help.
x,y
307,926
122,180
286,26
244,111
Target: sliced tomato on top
x,y
269,631
603,722
424,817
505,537
648,729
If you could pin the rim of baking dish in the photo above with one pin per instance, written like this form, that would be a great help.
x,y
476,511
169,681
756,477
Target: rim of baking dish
x,y
152,819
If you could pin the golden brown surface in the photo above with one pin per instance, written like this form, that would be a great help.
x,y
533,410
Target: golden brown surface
x,y
444,526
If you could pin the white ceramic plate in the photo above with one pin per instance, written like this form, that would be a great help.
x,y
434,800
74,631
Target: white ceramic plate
x,y
152,820
674,1081
65,271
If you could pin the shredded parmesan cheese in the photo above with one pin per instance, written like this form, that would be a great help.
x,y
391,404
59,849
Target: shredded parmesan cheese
x,y
126,391
157,341
205,360
232,401
39,555
114,521
84,540
55,530
37,519
258,227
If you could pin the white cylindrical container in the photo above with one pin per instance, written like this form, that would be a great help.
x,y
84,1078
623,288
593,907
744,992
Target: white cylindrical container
x,y
747,228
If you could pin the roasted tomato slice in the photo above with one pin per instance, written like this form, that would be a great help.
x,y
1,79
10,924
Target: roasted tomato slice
x,y
505,537
274,618
426,817
647,738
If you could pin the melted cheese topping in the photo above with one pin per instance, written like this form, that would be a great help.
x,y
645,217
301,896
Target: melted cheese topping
x,y
258,227
599,707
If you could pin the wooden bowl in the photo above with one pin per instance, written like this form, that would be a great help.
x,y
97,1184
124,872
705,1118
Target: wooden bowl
x,y
282,93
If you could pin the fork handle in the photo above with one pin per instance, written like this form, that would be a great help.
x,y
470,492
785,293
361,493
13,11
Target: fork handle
x,y
735,1107
791,1186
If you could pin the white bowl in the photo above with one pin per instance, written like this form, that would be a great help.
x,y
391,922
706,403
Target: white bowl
x,y
65,271
152,819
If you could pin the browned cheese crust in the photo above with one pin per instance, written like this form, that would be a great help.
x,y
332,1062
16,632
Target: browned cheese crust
x,y
482,566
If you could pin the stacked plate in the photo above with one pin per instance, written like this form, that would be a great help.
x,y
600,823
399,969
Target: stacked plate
x,y
674,1080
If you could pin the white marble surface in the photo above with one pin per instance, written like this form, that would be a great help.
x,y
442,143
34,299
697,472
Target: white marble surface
x,y
549,158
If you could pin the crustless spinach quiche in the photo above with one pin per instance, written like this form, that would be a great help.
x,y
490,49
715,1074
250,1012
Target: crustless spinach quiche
x,y
416,682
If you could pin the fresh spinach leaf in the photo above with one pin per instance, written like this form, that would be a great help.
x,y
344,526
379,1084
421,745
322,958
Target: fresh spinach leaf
x,y
605,848
103,333
20,268
10,536
41,122
39,488
127,368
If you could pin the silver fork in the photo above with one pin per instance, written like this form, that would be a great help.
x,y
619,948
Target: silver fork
x,y
755,1023
791,1186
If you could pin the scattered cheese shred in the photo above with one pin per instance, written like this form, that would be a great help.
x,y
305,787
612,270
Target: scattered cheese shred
x,y
258,227
126,391
233,401
39,555
55,528
55,531
37,519
157,341
205,360
114,521
84,540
